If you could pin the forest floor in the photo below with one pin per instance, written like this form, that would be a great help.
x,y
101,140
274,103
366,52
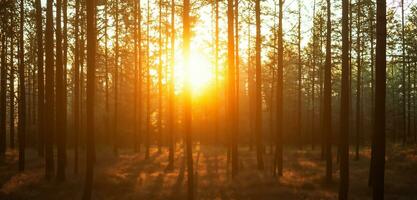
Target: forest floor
x,y
129,176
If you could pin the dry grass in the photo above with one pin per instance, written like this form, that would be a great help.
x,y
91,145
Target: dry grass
x,y
130,176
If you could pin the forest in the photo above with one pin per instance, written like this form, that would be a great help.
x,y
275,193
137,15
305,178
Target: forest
x,y
208,99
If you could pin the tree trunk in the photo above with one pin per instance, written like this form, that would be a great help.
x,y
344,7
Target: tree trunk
x,y
232,86
76,69
135,92
3,93
299,106
327,98
171,122
106,68
12,95
59,98
148,86
258,107
345,108
22,95
359,81
159,121
91,67
187,106
41,79
115,137
278,161
49,92
380,87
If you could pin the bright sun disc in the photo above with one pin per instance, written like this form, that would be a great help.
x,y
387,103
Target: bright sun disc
x,y
201,73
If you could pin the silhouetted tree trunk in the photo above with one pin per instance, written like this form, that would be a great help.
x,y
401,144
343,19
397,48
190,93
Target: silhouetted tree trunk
x,y
251,89
139,120
135,88
41,79
115,137
12,93
106,67
59,98
372,32
148,86
22,94
91,67
299,65
403,77
327,98
216,61
159,121
258,107
237,82
232,86
76,69
187,96
49,91
359,80
313,80
345,110
278,161
3,91
380,87
171,108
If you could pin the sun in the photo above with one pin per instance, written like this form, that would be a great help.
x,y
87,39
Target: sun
x,y
201,73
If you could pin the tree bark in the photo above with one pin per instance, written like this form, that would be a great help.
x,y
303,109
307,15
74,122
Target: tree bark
x,y
278,161
380,93
258,106
22,94
59,98
187,96
327,98
41,79
91,67
345,106
49,92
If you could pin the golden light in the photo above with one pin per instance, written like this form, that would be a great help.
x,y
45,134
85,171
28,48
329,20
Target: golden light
x,y
201,73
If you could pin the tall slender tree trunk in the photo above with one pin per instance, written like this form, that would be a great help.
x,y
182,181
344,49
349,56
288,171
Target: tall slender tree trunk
x,y
22,94
171,122
115,137
345,108
148,86
251,88
41,79
403,84
327,98
106,68
59,98
159,121
3,92
232,86
187,96
359,81
76,69
258,107
216,60
237,78
313,83
139,92
299,64
278,161
49,92
12,95
380,93
135,88
91,67
372,32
